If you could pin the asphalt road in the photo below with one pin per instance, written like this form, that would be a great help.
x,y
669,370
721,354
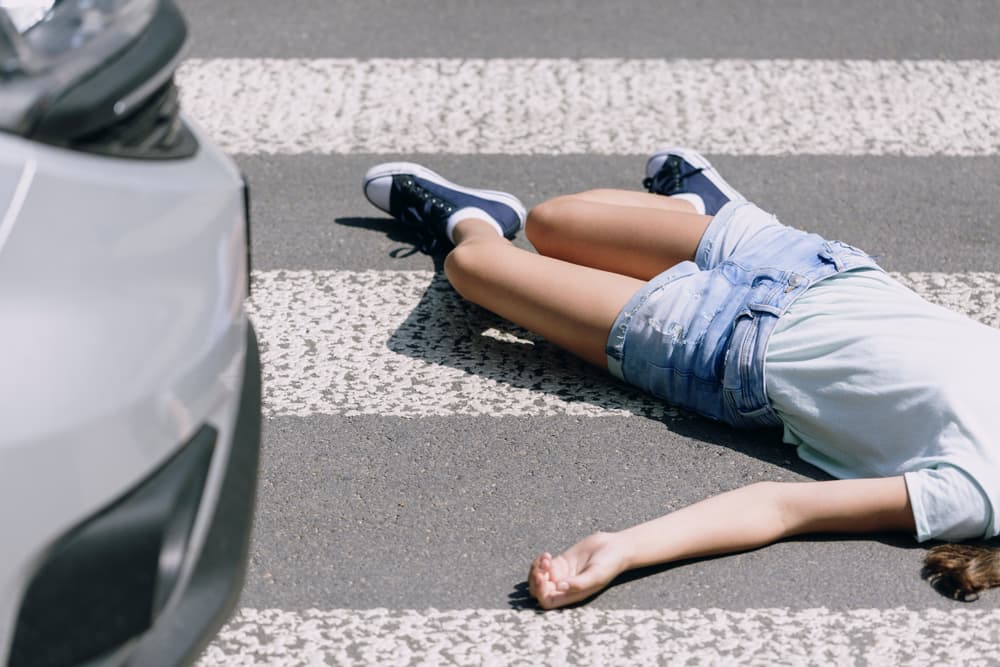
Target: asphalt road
x,y
312,214
592,28
445,512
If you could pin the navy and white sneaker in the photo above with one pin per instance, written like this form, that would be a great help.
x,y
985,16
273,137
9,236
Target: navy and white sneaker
x,y
433,205
683,173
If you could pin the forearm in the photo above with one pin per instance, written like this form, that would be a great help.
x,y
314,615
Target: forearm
x,y
759,514
741,519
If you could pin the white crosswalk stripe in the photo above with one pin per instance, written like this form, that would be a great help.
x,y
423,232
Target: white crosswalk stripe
x,y
366,637
369,342
596,105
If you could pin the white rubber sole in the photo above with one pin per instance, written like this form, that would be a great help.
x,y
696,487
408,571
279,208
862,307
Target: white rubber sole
x,y
393,168
696,159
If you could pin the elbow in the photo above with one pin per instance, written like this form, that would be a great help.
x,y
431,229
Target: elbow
x,y
771,509
785,510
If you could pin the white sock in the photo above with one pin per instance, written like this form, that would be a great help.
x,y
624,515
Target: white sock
x,y
693,199
479,214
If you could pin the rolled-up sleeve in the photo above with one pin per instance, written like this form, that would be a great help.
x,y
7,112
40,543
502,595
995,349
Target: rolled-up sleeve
x,y
947,504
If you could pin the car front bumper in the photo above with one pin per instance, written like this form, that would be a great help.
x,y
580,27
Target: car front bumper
x,y
181,633
124,341
90,598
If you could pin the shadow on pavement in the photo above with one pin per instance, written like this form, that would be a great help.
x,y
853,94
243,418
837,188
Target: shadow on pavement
x,y
397,232
542,379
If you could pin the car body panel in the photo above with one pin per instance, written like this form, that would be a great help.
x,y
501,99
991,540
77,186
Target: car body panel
x,y
122,331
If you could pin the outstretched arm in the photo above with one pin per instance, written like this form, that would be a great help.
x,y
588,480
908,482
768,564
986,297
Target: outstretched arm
x,y
745,518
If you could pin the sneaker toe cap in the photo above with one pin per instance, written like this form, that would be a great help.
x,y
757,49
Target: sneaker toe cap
x,y
378,190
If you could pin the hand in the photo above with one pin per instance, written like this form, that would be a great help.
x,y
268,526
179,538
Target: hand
x,y
577,573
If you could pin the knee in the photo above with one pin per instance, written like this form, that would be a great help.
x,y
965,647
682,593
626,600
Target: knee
x,y
461,263
601,195
548,220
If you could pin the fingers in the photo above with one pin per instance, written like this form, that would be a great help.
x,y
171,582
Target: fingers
x,y
546,586
549,585
589,581
542,564
561,595
573,576
540,576
578,586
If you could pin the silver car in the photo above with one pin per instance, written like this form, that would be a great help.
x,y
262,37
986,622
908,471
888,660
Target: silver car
x,y
129,374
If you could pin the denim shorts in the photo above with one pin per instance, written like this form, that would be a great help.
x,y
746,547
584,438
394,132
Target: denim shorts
x,y
695,335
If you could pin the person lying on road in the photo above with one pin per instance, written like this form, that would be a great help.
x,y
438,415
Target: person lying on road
x,y
702,299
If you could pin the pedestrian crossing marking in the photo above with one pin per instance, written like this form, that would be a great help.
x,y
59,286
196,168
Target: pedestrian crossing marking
x,y
403,343
592,636
522,106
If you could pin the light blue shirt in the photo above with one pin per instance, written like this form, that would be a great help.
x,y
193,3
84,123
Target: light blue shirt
x,y
871,380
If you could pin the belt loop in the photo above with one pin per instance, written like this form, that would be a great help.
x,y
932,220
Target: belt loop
x,y
828,255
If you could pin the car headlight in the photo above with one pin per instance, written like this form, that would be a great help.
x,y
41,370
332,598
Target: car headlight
x,y
26,13
94,75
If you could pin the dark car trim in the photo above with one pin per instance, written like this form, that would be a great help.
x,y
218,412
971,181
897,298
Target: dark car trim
x,y
100,593
180,635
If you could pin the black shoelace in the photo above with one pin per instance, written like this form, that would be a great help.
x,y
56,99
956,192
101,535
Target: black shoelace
x,y
669,179
425,213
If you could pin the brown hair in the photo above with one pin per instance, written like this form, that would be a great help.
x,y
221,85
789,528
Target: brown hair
x,y
961,571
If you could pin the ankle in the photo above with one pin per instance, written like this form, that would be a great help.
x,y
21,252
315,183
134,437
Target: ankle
x,y
473,229
693,201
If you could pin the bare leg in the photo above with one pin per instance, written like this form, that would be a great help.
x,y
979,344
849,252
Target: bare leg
x,y
633,198
573,306
632,233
